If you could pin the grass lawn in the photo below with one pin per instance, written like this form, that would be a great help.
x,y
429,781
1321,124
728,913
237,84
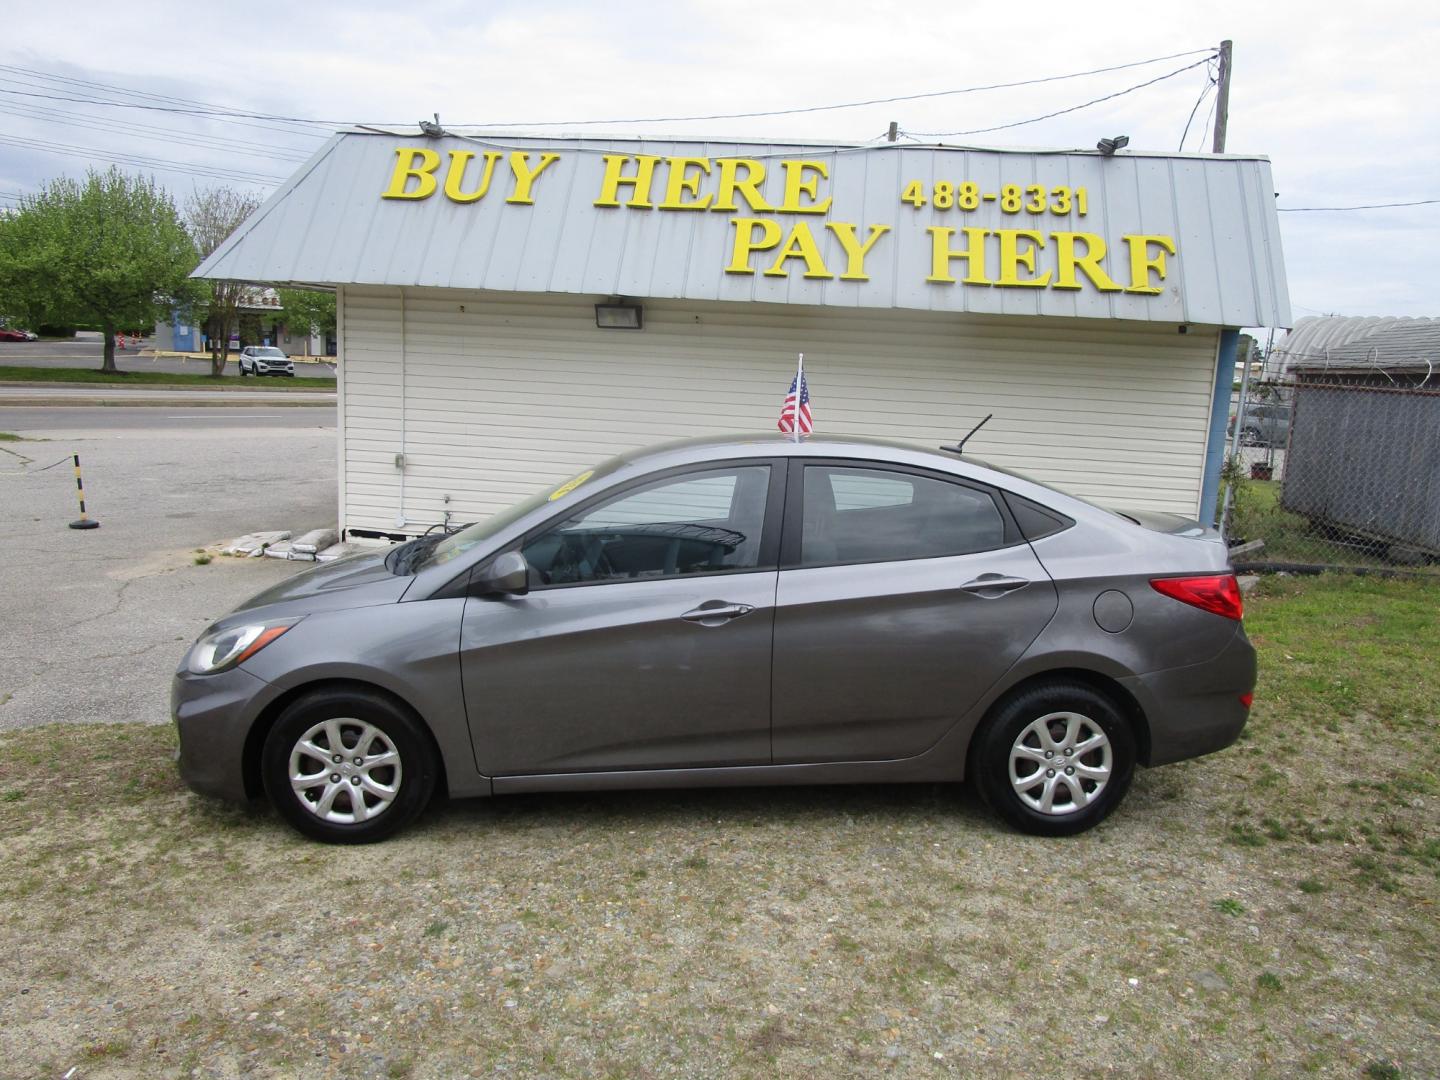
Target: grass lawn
x,y
1269,911
17,373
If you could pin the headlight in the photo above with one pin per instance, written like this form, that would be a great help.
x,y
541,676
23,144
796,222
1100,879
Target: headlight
x,y
226,648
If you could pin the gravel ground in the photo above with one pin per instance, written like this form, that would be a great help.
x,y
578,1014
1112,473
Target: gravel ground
x,y
1268,911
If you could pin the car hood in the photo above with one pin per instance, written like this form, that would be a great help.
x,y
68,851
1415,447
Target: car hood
x,y
358,581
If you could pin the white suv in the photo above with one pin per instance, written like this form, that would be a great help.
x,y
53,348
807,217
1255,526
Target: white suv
x,y
265,360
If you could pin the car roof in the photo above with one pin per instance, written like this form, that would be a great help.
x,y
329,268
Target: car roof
x,y
777,444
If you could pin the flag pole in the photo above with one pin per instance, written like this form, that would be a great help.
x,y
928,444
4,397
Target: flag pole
x,y
799,390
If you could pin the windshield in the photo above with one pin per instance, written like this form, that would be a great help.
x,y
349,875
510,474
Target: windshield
x,y
458,543
270,354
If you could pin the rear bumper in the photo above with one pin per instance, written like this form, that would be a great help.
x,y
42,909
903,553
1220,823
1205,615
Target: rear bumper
x,y
213,715
1196,710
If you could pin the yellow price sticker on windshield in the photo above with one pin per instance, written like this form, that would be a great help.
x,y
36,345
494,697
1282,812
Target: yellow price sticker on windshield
x,y
570,485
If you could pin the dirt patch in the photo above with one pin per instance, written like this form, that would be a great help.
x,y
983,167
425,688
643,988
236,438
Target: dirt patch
x,y
1268,911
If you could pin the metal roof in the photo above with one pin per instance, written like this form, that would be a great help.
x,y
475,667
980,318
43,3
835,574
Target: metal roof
x,y
328,225
1380,342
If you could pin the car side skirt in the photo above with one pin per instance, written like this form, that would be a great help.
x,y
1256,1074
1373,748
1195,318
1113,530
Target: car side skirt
x,y
904,771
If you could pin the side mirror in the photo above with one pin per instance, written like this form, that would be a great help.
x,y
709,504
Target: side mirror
x,y
507,575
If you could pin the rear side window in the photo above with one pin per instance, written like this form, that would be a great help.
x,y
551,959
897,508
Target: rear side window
x,y
875,515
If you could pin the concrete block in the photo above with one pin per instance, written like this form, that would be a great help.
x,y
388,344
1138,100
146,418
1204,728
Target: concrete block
x,y
1247,583
253,545
315,540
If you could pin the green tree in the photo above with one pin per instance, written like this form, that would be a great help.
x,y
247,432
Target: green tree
x,y
107,251
308,311
211,216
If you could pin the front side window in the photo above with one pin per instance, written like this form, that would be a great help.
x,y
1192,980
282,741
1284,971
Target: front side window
x,y
699,523
875,515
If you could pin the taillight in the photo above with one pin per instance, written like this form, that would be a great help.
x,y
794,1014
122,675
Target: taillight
x,y
1217,593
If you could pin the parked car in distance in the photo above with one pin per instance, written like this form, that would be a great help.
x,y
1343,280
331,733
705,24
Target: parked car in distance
x,y
265,360
740,611
1265,425
8,333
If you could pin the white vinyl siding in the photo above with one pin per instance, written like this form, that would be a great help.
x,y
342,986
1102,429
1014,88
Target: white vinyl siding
x,y
517,391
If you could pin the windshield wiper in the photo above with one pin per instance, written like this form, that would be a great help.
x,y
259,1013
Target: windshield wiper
x,y
405,558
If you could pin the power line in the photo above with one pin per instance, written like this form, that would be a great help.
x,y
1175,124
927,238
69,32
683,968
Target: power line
x,y
194,140
185,106
1366,206
1062,112
144,162
29,76
831,108
1210,84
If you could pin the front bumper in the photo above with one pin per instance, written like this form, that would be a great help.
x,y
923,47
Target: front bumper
x,y
1196,710
213,715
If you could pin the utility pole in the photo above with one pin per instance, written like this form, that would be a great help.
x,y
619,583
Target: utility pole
x,y
1222,98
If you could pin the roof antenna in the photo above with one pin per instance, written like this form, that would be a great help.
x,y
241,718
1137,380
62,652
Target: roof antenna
x,y
959,448
433,130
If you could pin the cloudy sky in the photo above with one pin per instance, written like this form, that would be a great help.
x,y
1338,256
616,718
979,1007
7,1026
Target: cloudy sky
x,y
1343,98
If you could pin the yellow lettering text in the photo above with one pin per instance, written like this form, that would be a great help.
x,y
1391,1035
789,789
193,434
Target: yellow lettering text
x,y
800,244
1089,262
455,175
797,184
417,162
639,183
1141,262
525,176
683,181
855,251
1012,257
942,254
747,241
748,185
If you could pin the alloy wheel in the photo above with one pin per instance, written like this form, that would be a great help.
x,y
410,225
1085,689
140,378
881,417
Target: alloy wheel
x,y
1060,763
345,771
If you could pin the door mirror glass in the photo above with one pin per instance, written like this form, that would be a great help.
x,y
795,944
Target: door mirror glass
x,y
508,575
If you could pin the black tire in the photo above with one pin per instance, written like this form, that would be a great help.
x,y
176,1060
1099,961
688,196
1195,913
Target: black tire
x,y
990,759
416,771
243,372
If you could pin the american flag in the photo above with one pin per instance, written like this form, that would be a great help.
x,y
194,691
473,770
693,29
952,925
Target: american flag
x,y
787,411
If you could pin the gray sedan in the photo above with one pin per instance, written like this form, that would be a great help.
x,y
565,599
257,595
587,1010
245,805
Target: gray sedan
x,y
745,611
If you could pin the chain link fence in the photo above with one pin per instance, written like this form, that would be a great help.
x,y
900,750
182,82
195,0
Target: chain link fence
x,y
1335,468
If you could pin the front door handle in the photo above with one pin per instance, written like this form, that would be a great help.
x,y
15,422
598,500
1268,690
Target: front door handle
x,y
992,586
716,613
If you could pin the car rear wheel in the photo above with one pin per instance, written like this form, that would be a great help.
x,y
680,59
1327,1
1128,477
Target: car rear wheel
x,y
1055,759
348,766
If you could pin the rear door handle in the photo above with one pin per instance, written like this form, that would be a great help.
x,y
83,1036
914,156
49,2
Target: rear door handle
x,y
992,586
716,614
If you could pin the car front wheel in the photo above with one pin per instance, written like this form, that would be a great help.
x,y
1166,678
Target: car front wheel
x,y
348,766
1055,759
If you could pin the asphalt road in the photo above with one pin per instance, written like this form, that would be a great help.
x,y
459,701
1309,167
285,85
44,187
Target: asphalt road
x,y
94,622
41,419
87,354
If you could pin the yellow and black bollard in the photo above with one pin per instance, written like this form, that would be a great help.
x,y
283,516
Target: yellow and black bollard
x,y
84,522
